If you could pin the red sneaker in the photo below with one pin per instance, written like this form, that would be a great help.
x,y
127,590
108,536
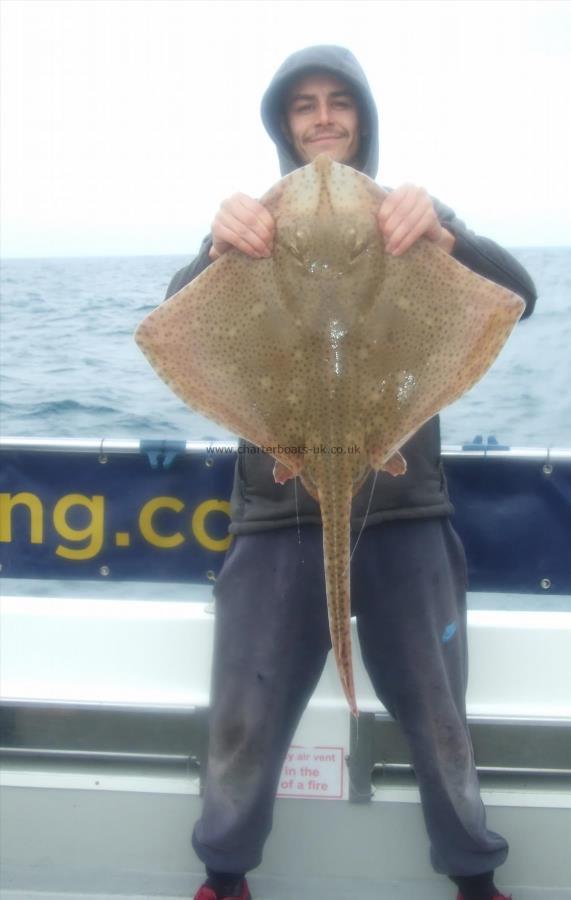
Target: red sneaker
x,y
207,893
495,897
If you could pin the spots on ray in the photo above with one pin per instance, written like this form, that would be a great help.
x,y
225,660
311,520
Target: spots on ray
x,y
232,346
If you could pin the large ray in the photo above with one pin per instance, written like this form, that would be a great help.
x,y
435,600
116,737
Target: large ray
x,y
328,345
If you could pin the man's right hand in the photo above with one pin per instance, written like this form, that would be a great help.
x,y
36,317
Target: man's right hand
x,y
244,224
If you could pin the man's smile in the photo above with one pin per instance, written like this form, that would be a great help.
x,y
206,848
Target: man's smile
x,y
325,137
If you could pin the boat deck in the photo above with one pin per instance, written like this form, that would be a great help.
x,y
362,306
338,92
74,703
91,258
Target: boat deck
x,y
317,890
313,889
87,838
100,787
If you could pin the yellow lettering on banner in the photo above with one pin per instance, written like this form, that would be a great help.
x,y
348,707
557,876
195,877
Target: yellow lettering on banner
x,y
34,505
199,529
93,531
146,522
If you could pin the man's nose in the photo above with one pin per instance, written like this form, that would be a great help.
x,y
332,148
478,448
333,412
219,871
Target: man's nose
x,y
323,113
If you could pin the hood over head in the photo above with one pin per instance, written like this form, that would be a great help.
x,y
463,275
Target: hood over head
x,y
337,61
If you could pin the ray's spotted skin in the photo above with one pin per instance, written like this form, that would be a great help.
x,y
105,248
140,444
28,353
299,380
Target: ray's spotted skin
x,y
332,352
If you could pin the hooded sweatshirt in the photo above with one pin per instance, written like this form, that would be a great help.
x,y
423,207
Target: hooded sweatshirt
x,y
257,502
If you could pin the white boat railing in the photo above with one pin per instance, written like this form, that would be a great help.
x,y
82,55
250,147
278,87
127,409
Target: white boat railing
x,y
230,445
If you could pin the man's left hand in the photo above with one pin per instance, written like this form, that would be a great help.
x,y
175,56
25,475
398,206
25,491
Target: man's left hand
x,y
407,214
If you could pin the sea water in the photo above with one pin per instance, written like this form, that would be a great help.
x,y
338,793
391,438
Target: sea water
x,y
70,367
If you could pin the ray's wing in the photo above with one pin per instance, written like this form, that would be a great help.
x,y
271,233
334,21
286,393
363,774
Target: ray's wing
x,y
226,346
433,330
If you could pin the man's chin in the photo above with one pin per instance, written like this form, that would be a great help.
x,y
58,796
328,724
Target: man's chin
x,y
337,154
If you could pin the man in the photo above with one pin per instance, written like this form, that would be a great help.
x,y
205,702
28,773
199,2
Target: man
x,y
408,573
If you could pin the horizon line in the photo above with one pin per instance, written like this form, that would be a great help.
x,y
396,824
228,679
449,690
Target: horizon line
x,y
186,254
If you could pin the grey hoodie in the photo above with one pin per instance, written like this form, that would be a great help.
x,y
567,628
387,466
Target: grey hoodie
x,y
257,502
339,62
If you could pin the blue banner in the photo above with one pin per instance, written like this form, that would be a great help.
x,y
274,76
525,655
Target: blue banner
x,y
152,516
124,516
514,517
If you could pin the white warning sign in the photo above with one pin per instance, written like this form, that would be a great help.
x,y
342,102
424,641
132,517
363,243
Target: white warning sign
x,y
313,772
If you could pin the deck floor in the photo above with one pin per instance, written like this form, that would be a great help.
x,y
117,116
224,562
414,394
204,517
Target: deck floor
x,y
115,842
325,889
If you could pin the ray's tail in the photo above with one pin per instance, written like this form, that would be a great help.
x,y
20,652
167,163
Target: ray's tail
x,y
335,495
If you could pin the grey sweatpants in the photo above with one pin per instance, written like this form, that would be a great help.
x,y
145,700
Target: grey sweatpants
x,y
408,586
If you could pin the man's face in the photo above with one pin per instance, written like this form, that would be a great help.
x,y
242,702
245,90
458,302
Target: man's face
x,y
321,116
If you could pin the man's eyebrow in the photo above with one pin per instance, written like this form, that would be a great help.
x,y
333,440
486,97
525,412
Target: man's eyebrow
x,y
334,94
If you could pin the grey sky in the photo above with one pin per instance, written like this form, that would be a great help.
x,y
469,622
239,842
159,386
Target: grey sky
x,y
126,122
